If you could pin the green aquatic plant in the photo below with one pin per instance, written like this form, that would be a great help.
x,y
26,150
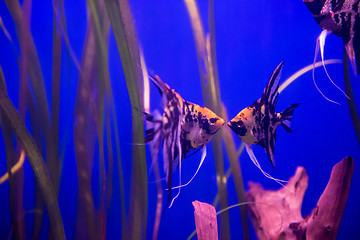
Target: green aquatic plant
x,y
210,96
9,113
29,66
122,25
351,101
206,54
85,136
95,129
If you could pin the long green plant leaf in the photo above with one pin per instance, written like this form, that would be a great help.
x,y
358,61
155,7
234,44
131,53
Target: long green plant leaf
x,y
54,165
85,137
227,137
35,159
23,99
18,228
101,31
233,156
122,24
29,56
351,101
211,96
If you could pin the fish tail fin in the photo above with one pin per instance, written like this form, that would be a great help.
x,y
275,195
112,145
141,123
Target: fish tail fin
x,y
271,92
148,117
286,117
149,135
156,124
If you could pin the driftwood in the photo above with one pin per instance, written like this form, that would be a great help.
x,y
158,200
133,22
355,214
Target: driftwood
x,y
277,214
205,220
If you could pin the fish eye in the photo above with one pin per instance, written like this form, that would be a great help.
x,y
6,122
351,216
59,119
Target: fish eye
x,y
213,120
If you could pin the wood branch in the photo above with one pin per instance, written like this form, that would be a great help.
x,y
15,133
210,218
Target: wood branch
x,y
325,219
277,214
205,221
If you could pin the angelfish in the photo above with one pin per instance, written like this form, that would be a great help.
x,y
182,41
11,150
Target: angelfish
x,y
257,124
183,126
342,18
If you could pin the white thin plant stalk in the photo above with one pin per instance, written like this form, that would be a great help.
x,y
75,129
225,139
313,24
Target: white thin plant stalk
x,y
304,70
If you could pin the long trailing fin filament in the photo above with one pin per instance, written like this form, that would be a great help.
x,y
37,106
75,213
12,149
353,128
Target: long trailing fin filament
x,y
320,45
257,164
178,194
203,155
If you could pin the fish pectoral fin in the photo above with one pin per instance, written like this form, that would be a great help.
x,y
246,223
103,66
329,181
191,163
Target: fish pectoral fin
x,y
195,151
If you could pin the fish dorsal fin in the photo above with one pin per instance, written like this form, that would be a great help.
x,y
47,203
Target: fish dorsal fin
x,y
271,92
159,84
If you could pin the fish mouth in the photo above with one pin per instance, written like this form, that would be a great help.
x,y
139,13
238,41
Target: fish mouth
x,y
231,125
223,122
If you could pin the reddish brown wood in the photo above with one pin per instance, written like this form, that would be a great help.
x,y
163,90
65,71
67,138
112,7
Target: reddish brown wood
x,y
205,220
277,214
325,219
276,210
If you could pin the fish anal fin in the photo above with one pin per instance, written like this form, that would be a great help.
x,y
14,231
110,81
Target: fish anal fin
x,y
270,148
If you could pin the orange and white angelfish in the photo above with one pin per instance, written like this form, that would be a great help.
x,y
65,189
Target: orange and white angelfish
x,y
183,126
257,124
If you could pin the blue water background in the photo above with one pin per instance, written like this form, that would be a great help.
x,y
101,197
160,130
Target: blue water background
x,y
252,38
